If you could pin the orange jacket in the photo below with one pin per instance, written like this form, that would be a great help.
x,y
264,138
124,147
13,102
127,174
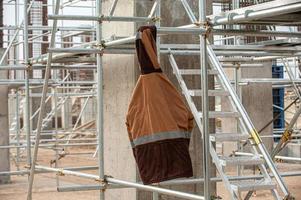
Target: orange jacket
x,y
159,123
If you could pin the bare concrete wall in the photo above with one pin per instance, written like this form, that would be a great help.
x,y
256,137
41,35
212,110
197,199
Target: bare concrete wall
x,y
89,112
119,82
4,131
257,99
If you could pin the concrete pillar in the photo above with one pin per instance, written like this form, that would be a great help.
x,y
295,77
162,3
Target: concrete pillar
x,y
292,150
228,125
89,111
66,114
172,15
119,82
4,131
257,99
35,105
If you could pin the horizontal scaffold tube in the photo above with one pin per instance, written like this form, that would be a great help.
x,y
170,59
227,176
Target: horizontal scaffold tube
x,y
109,180
255,15
49,145
100,18
40,81
175,182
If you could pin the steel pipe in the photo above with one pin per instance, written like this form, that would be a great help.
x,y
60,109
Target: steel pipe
x,y
123,183
100,18
254,15
42,106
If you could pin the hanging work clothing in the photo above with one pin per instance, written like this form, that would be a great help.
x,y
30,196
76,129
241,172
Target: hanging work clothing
x,y
159,123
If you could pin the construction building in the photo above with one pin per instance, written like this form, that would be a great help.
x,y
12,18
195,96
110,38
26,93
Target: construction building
x,y
68,70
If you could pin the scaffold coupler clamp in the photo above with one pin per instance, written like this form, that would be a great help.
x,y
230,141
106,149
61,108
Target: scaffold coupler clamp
x,y
231,16
104,183
28,66
101,46
247,12
60,172
155,19
27,166
289,197
287,135
169,51
100,18
237,64
255,136
206,25
214,21
215,197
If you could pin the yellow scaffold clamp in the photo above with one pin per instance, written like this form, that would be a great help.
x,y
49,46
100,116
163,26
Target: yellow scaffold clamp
x,y
256,137
155,19
287,135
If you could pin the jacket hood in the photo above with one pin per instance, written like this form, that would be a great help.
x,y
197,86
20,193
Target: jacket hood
x,y
146,49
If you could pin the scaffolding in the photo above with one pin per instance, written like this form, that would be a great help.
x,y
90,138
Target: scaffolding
x,y
81,48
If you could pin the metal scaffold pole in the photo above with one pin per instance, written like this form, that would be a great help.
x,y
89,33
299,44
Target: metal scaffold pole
x,y
42,106
205,98
27,100
157,5
99,121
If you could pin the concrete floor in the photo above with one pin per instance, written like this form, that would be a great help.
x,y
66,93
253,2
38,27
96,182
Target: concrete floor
x,y
45,184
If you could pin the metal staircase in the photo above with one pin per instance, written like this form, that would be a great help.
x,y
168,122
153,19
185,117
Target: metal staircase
x,y
247,132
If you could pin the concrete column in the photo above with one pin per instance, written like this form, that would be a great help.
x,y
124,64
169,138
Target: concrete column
x,y
228,125
257,99
66,114
172,15
4,131
89,112
119,82
35,105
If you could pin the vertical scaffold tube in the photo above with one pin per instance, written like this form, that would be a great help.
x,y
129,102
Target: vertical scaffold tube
x,y
27,100
158,24
205,103
99,123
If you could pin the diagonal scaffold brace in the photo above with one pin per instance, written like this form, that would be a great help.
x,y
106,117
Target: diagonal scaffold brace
x,y
42,106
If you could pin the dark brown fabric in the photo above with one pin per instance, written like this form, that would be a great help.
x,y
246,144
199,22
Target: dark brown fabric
x,y
163,160
146,64
150,47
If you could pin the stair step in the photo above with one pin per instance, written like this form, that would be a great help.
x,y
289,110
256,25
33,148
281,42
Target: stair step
x,y
223,137
196,72
249,185
240,160
221,114
210,93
